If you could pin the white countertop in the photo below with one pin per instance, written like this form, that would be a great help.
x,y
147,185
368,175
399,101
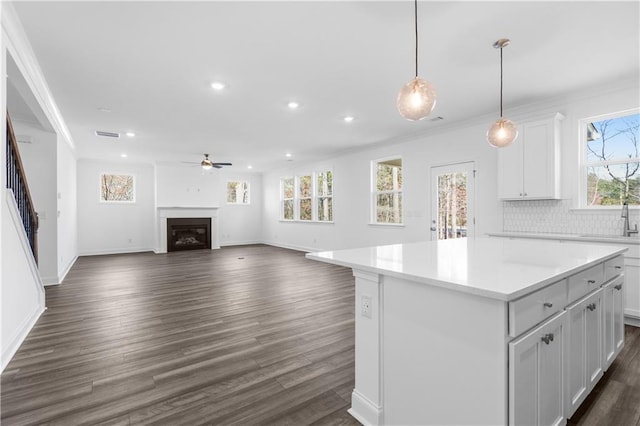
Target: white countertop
x,y
498,268
615,239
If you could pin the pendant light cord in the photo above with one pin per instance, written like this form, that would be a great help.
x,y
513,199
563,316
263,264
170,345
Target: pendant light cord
x,y
501,82
415,14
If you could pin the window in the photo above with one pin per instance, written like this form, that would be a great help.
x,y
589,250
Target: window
x,y
307,197
117,188
324,196
305,210
237,192
611,172
387,191
287,191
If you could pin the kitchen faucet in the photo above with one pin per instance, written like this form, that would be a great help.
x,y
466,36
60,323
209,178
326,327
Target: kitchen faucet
x,y
626,231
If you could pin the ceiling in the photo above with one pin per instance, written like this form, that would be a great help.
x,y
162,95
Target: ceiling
x,y
151,64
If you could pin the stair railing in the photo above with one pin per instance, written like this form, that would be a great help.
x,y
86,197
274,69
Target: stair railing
x,y
17,182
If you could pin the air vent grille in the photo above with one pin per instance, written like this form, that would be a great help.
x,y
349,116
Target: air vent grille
x,y
24,138
107,134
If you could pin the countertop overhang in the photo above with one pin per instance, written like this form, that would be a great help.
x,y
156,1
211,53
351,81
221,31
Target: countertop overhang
x,y
496,268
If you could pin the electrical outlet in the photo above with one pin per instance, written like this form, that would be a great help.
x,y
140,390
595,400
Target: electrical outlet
x,y
365,306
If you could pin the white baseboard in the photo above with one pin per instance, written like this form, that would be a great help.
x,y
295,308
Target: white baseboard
x,y
291,247
116,251
13,347
634,321
62,276
47,281
363,410
239,243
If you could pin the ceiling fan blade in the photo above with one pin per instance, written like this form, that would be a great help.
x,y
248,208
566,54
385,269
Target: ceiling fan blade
x,y
190,162
222,164
217,166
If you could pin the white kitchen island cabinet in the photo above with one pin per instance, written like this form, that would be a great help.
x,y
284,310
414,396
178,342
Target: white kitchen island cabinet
x,y
439,326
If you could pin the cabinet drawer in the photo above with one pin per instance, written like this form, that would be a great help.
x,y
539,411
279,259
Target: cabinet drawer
x,y
534,308
585,282
613,268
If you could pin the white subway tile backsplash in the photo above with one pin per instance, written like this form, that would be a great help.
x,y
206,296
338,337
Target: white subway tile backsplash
x,y
556,216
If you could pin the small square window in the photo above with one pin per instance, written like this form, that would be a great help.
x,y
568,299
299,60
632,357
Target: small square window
x,y
117,188
237,192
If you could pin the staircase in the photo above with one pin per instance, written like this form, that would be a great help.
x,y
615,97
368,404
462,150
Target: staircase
x,y
17,183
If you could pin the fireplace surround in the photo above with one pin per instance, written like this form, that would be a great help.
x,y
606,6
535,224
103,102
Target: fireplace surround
x,y
165,213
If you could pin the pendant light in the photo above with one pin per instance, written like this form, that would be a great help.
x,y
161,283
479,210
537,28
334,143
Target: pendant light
x,y
503,132
417,98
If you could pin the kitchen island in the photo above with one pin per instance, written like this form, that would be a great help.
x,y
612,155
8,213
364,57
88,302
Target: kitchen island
x,y
480,331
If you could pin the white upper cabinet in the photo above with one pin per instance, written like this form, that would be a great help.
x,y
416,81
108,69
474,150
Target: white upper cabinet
x,y
529,168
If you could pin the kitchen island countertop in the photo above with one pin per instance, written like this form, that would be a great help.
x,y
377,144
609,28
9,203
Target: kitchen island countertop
x,y
496,268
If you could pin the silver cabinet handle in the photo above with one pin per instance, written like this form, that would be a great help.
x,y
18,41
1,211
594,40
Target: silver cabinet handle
x,y
591,306
618,267
548,305
618,287
547,338
591,281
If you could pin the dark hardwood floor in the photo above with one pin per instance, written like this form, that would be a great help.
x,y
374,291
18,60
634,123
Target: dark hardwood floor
x,y
242,335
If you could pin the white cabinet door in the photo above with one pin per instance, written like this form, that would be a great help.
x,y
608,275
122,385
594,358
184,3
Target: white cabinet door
x,y
613,321
632,288
583,348
539,160
529,168
510,176
536,375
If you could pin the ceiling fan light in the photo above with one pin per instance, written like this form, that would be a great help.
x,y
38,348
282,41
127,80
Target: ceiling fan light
x,y
416,99
502,133
206,166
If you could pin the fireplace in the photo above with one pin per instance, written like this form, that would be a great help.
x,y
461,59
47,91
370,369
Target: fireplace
x,y
188,233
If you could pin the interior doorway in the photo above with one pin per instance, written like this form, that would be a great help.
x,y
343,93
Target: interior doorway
x,y
453,201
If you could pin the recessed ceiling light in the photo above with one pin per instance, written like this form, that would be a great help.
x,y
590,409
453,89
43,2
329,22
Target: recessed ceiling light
x,y
249,166
104,109
130,134
288,155
123,155
217,85
349,118
293,105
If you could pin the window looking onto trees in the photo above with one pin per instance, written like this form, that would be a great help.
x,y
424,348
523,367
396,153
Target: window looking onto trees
x,y
117,188
387,191
237,192
287,189
307,197
324,196
612,160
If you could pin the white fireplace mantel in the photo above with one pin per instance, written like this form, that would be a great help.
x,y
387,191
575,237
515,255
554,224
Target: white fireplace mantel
x,y
187,212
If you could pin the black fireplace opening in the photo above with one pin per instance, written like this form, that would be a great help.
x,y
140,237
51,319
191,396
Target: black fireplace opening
x,y
188,233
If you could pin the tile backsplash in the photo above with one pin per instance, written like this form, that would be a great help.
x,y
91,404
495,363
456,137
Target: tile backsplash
x,y
557,217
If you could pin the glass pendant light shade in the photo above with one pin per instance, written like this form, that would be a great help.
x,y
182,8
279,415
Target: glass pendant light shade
x,y
416,99
502,133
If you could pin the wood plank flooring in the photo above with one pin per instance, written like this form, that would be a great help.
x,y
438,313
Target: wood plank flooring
x,y
237,336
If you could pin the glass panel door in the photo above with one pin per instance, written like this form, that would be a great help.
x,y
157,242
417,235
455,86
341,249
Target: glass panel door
x,y
452,214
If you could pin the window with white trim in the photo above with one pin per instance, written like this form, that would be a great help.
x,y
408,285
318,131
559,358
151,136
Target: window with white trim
x,y
611,160
307,197
324,196
387,191
117,188
287,195
237,192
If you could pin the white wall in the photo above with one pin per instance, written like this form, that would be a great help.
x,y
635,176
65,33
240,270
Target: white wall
x,y
67,209
39,158
351,199
184,186
106,228
458,143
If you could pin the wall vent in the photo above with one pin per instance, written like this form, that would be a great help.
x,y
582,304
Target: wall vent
x,y
107,134
24,139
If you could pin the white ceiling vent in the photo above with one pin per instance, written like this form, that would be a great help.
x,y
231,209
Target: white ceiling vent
x,y
107,134
24,139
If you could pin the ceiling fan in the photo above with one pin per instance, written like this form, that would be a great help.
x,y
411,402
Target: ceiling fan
x,y
207,164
